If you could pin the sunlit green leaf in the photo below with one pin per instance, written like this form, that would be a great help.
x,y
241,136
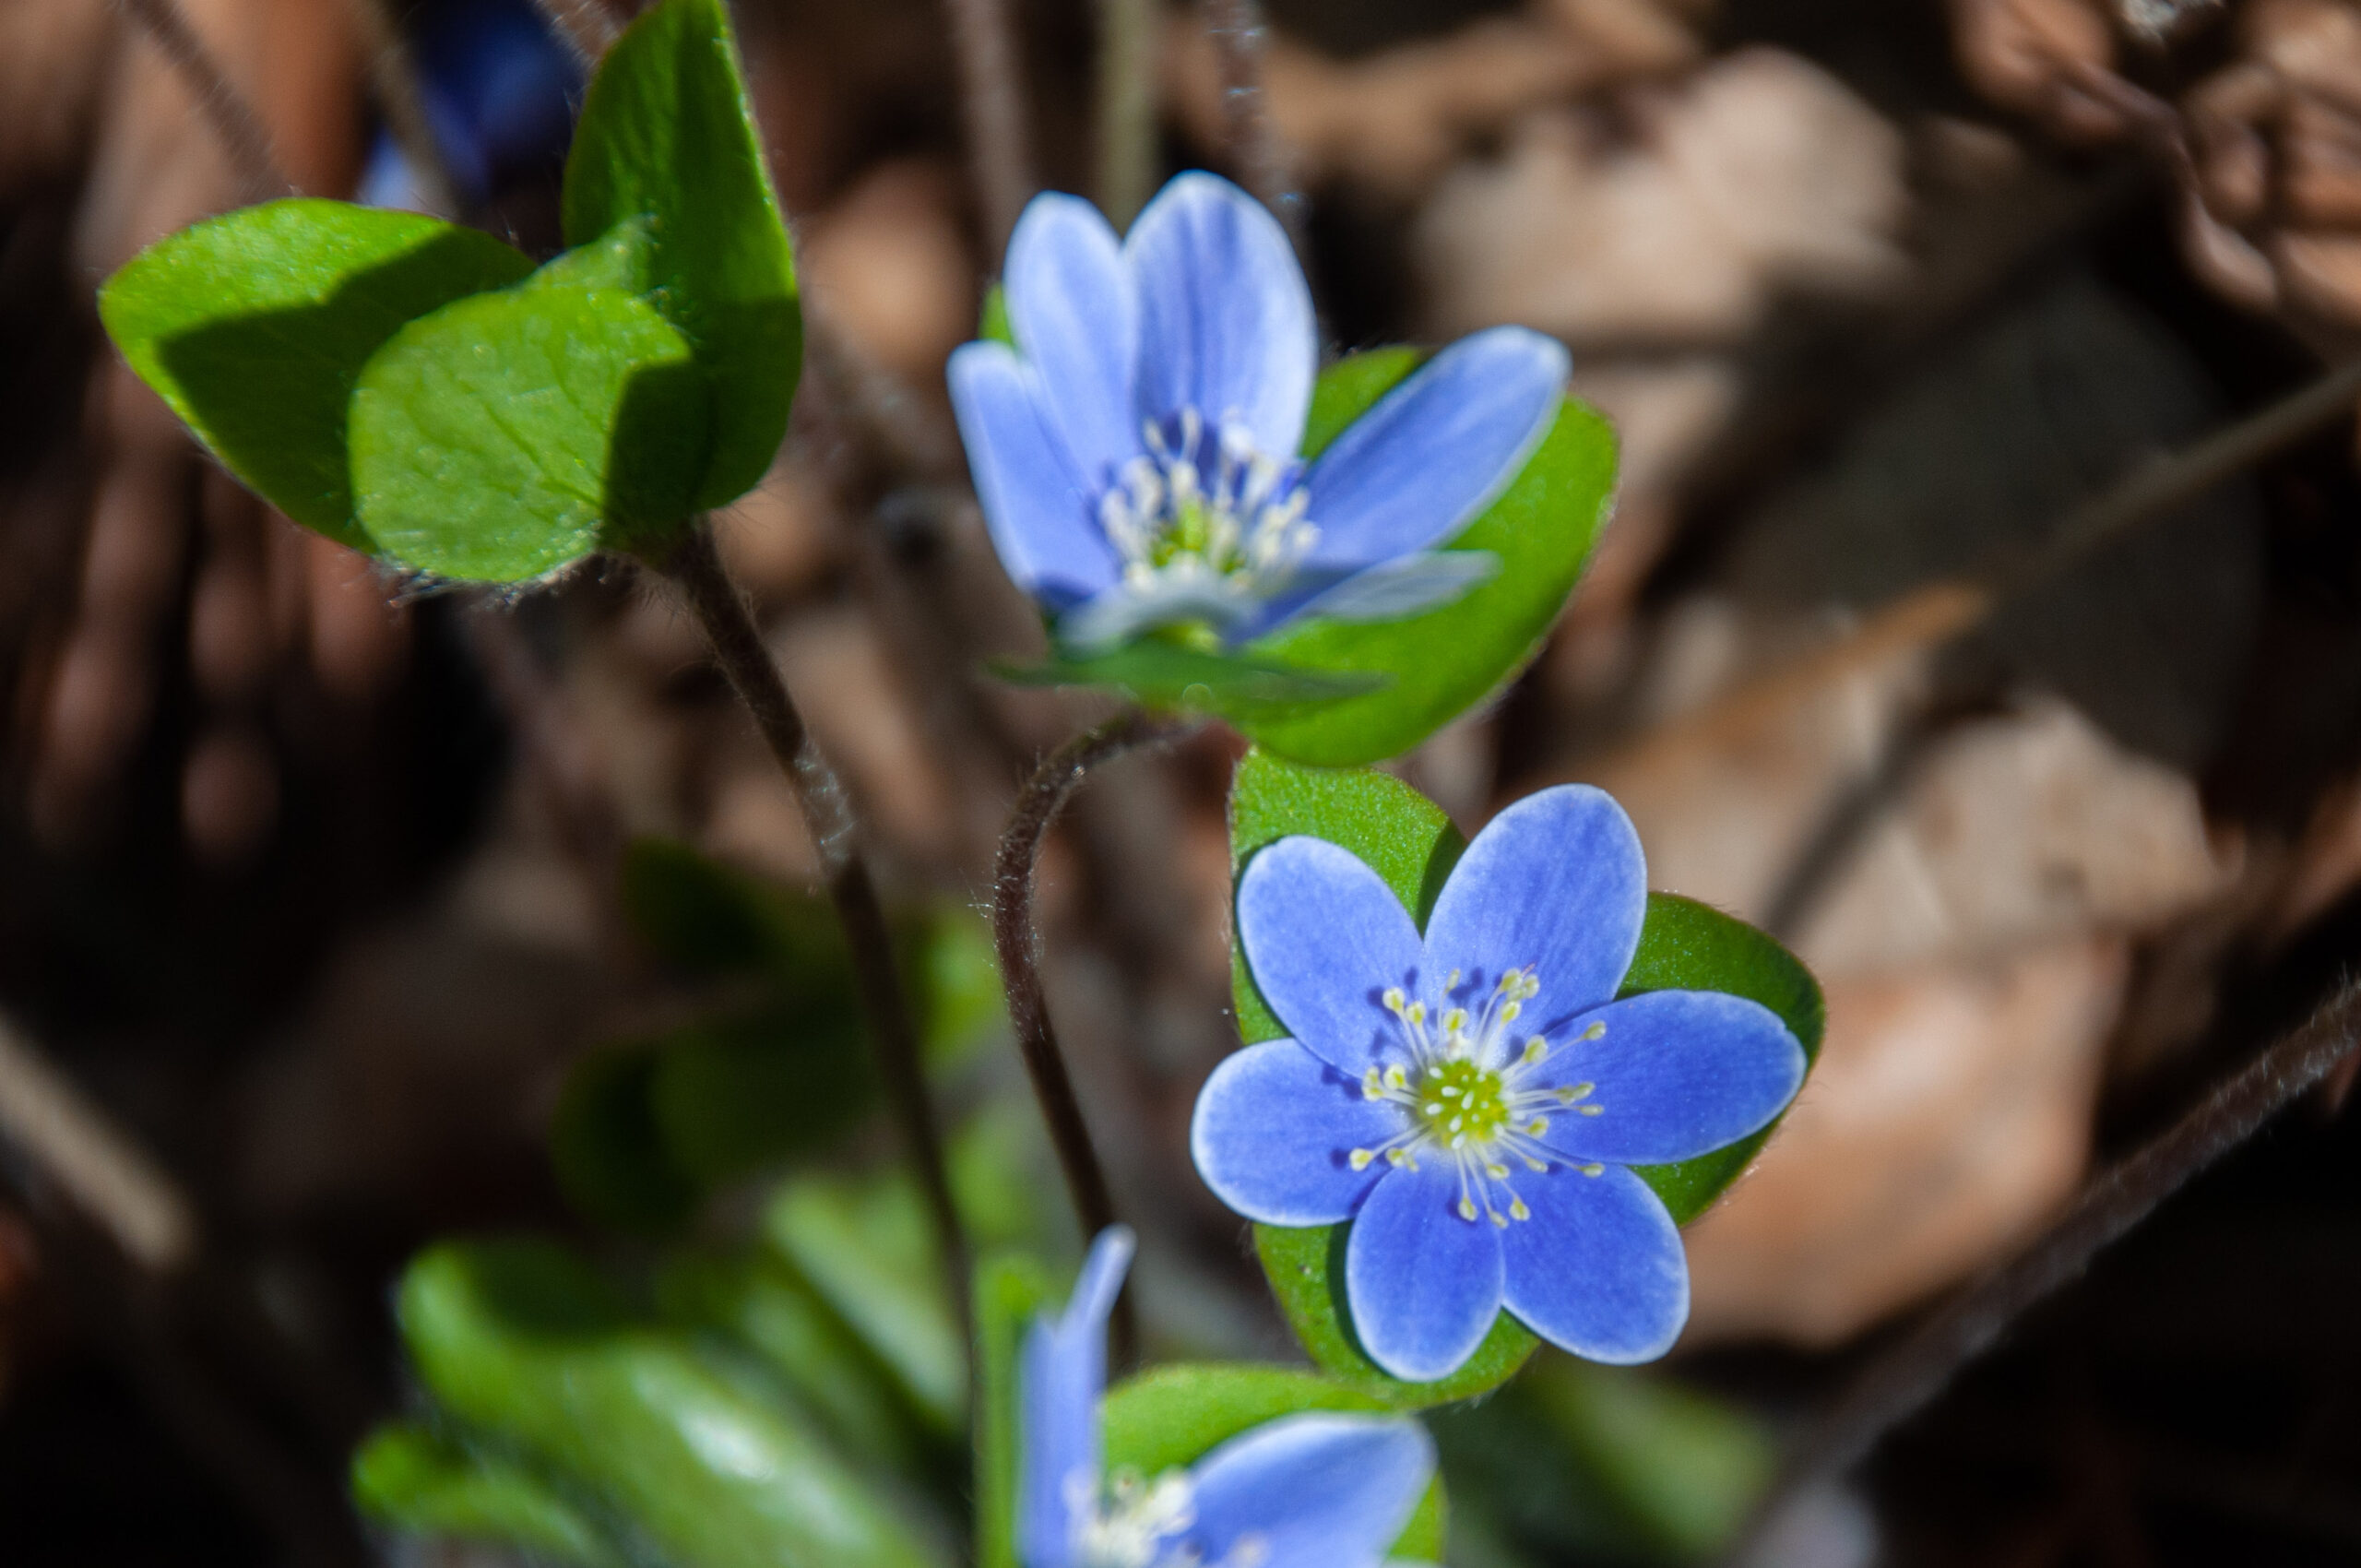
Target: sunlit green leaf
x,y
667,135
255,327
510,433
820,1362
419,1480
866,1248
522,1339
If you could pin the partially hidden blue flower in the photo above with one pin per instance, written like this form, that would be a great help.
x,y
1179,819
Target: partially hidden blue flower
x,y
1471,1100
1136,453
1302,1491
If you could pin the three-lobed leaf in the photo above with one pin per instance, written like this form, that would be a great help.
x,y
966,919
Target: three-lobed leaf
x,y
667,136
1412,845
255,326
510,433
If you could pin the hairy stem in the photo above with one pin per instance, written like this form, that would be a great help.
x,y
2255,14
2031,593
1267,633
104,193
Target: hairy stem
x,y
393,73
1906,1379
244,136
587,28
1037,804
991,99
828,816
1127,38
1238,34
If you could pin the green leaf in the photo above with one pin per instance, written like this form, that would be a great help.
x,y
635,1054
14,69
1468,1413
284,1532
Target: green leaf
x,y
1587,1463
731,1095
508,435
1169,1416
697,915
419,1480
1395,831
992,324
820,1362
522,1339
609,1157
255,327
667,135
624,259
1686,945
1166,675
1444,661
1408,841
1010,1289
958,976
867,1250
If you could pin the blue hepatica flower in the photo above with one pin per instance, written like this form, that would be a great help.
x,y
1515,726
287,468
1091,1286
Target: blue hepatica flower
x,y
1302,1491
1471,1100
1137,455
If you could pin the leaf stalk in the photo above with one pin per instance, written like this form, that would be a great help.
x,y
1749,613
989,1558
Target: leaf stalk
x,y
695,566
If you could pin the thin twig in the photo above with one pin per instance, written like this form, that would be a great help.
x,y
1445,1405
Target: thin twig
x,y
244,136
1906,1379
587,28
1127,40
1037,804
100,1168
827,810
992,98
1238,34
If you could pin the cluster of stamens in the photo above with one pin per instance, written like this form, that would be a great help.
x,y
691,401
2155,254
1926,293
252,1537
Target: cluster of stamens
x,y
1463,1097
1203,503
1138,1522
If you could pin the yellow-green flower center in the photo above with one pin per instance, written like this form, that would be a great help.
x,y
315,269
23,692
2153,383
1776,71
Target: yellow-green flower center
x,y
1462,1099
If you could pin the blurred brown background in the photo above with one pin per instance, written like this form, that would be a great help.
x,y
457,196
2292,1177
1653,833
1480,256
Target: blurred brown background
x,y
306,881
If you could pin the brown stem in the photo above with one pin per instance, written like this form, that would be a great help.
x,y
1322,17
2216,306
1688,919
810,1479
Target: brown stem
x,y
586,26
243,135
1037,804
1906,1379
991,99
1238,34
828,816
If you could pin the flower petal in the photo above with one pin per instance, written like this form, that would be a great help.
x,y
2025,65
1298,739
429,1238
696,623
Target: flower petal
x,y
1435,451
1226,321
1424,1285
1274,1132
1070,303
1555,884
1678,1074
1598,1269
1323,937
1405,586
1310,1492
1062,1377
1035,500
